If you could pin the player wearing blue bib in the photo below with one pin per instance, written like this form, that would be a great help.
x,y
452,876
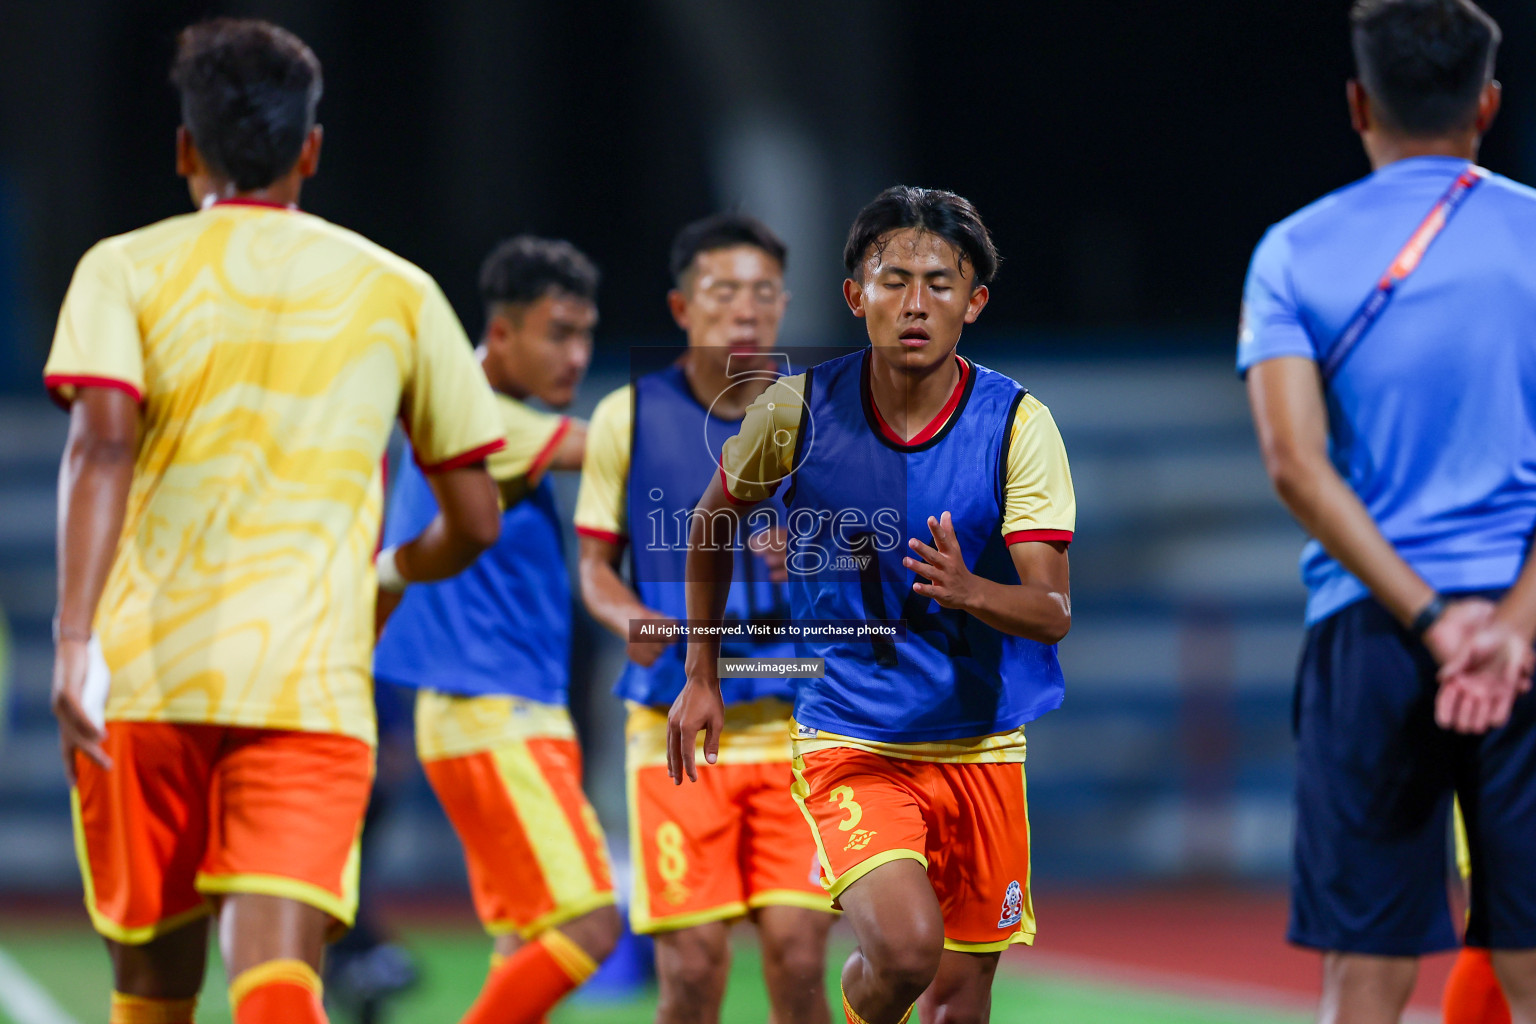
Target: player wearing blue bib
x,y
735,846
489,651
909,751
1386,342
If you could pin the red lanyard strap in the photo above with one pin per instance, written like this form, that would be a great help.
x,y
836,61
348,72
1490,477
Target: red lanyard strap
x,y
1404,263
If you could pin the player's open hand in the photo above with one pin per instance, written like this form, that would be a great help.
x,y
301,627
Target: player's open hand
x,y
1478,685
698,708
645,652
950,581
772,546
71,662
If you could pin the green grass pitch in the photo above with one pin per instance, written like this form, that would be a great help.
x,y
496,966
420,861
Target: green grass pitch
x,y
72,967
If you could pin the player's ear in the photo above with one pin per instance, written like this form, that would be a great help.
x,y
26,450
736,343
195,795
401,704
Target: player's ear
x,y
309,155
978,302
677,303
1359,106
186,153
853,294
1488,106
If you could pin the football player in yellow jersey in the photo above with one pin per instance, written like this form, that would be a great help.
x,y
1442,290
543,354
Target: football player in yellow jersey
x,y
232,377
909,756
489,652
735,846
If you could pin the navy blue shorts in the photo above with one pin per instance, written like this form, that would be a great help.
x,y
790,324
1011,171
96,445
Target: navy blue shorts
x,y
1373,800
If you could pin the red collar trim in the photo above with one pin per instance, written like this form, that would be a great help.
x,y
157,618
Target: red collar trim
x,y
934,425
247,201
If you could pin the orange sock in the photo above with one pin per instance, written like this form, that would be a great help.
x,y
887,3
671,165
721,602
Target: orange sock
x,y
277,992
530,982
143,1010
497,959
1472,993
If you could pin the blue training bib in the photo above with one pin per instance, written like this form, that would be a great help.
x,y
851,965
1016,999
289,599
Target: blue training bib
x,y
856,497
674,454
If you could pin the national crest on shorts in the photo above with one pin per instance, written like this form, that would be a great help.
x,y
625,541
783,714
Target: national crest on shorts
x,y
1013,906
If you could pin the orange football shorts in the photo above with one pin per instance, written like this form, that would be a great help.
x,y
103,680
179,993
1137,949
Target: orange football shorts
x,y
536,853
967,823
732,842
191,811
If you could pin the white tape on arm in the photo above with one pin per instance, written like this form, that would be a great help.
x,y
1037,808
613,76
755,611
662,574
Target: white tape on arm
x,y
390,579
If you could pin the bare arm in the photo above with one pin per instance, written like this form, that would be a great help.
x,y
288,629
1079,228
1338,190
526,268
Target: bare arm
x,y
468,521
572,449
465,525
700,707
609,599
94,478
1292,423
1038,607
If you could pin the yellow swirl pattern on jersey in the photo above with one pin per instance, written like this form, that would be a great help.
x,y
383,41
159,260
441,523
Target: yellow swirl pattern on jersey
x,y
273,352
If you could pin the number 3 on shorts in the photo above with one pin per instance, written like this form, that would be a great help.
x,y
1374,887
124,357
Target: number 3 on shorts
x,y
843,797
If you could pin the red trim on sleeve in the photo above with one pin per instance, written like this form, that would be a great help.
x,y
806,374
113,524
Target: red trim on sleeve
x,y
248,201
1020,536
596,534
536,467
468,458
726,487
934,425
53,382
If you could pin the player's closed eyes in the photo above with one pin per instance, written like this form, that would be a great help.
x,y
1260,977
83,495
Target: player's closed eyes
x,y
723,293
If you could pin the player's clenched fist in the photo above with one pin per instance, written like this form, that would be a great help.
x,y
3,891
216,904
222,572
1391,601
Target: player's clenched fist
x,y
698,707
950,581
645,652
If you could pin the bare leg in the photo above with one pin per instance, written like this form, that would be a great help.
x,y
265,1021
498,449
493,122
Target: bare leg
x,y
961,992
1516,969
255,929
170,967
896,917
691,967
1361,989
794,942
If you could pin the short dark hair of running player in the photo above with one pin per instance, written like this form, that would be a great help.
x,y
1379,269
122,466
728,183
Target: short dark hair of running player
x,y
1424,63
723,231
248,95
524,269
941,213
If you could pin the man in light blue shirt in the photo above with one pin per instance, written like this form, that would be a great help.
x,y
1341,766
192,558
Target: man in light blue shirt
x,y
1389,346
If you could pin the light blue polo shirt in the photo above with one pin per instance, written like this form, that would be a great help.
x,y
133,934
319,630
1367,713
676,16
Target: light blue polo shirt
x,y
1432,417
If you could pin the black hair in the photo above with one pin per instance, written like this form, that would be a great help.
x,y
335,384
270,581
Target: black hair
x,y
1424,62
722,231
525,269
248,95
944,214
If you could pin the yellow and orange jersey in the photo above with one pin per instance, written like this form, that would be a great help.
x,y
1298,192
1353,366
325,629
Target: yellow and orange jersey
x,y
532,437
1039,502
1039,505
601,501
271,352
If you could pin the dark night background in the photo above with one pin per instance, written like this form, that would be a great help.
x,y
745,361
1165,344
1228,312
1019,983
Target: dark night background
x,y
1126,154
